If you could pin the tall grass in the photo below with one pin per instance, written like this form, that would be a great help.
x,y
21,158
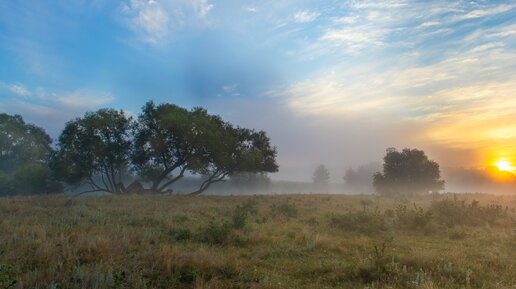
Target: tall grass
x,y
274,241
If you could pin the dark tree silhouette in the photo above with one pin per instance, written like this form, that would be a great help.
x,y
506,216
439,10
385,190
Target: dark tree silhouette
x,y
407,172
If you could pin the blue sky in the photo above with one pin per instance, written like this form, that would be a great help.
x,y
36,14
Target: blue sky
x,y
332,82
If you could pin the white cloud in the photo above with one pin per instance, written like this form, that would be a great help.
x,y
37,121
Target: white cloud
x,y
487,12
149,18
229,88
202,7
306,16
19,90
155,21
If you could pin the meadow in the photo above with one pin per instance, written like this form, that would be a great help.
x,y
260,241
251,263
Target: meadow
x,y
259,241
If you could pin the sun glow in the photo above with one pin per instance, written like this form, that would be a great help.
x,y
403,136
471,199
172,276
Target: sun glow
x,y
505,166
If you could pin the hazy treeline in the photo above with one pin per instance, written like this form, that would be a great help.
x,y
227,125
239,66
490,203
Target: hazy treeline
x,y
104,149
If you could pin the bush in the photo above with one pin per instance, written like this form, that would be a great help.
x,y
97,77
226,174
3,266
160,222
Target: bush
x,y
361,221
414,218
285,209
453,212
241,213
6,188
215,233
179,233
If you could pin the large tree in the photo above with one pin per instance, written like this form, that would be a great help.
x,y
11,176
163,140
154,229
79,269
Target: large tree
x,y
94,150
166,138
407,172
227,150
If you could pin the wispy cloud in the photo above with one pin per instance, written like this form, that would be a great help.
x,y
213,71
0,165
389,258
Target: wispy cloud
x,y
306,16
19,90
155,20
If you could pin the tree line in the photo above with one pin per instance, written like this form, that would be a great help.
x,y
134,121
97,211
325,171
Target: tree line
x,y
156,149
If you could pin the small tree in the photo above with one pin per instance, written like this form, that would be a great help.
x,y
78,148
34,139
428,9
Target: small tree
x,y
94,150
321,177
407,172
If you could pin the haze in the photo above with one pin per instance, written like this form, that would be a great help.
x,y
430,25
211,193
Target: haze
x,y
332,82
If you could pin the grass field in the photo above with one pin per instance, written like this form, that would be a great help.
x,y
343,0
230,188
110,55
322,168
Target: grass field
x,y
264,241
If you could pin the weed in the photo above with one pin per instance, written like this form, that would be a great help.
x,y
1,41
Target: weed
x,y
7,279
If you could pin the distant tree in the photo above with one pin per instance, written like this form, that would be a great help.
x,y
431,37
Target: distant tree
x,y
407,172
21,144
254,181
321,177
359,179
94,150
166,140
226,151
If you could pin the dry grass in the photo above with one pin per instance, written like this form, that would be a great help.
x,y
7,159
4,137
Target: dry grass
x,y
287,241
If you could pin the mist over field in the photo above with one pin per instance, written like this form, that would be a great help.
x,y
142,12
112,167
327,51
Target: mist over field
x,y
215,144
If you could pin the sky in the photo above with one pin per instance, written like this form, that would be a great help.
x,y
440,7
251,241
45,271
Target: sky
x,y
331,82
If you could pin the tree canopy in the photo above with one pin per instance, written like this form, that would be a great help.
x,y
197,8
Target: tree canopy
x,y
94,149
407,172
104,148
21,143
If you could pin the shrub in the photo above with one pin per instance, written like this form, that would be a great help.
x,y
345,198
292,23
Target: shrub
x,y
361,221
285,209
215,233
241,213
454,212
414,218
179,233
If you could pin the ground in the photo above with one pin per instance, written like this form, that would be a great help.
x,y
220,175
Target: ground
x,y
263,241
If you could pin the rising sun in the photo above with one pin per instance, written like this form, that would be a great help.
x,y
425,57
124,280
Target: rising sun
x,y
505,166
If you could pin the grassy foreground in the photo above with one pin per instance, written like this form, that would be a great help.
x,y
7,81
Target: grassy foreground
x,y
269,241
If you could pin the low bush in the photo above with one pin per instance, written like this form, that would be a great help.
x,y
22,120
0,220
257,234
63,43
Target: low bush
x,y
285,209
360,221
214,233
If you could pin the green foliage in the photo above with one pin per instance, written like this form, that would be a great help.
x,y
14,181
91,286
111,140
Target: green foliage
x,y
172,140
454,212
241,213
21,143
412,218
6,188
284,208
94,150
180,233
215,233
359,221
407,172
7,279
